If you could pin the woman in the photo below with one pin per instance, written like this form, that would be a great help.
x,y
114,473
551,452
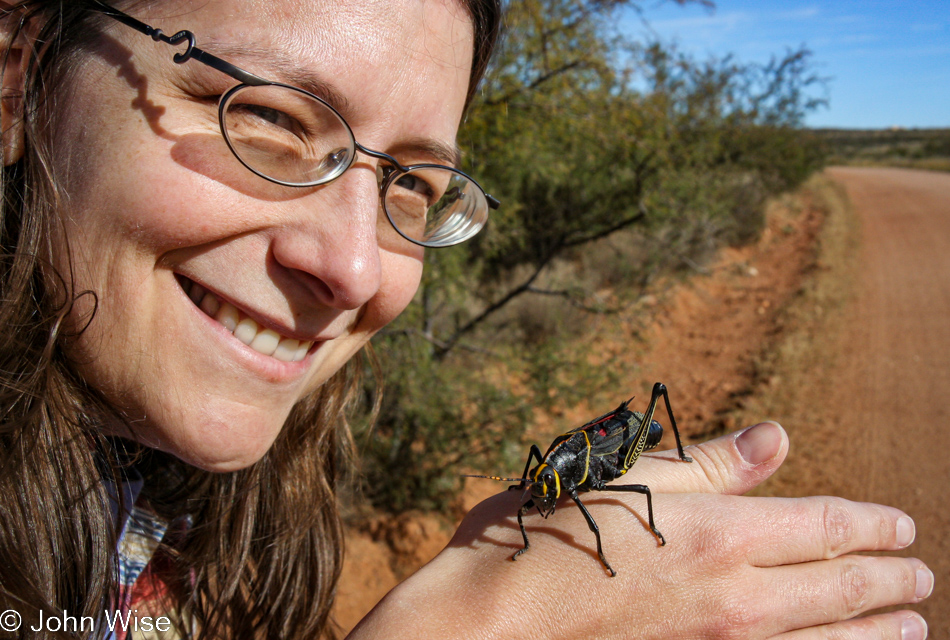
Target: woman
x,y
193,254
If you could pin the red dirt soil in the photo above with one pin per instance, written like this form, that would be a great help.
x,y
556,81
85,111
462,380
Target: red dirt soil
x,y
876,416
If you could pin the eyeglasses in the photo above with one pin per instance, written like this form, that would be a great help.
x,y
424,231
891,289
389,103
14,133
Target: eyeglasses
x,y
294,138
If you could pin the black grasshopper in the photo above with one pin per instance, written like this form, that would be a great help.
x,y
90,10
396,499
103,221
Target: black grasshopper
x,y
588,457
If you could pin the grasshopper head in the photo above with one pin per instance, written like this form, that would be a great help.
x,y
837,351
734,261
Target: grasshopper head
x,y
545,488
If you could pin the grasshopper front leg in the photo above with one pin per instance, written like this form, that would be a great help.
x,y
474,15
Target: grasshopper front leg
x,y
524,534
593,527
534,453
645,490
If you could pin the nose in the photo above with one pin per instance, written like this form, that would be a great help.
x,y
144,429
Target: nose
x,y
331,247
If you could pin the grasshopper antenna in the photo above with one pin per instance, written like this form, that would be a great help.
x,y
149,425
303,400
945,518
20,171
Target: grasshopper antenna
x,y
500,479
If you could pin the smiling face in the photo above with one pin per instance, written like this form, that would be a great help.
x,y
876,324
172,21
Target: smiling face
x,y
223,299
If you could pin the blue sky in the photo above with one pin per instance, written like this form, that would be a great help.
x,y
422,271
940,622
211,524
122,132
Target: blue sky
x,y
888,60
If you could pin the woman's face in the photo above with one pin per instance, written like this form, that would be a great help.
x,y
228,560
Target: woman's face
x,y
156,205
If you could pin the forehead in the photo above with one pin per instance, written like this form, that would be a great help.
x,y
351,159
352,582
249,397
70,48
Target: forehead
x,y
434,31
380,50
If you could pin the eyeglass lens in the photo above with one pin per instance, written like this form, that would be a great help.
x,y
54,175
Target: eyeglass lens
x,y
287,135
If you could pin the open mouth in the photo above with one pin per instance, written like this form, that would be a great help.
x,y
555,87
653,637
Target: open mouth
x,y
260,339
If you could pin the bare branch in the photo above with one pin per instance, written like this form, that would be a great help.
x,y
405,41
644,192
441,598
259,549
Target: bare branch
x,y
495,306
534,84
603,233
573,299
439,344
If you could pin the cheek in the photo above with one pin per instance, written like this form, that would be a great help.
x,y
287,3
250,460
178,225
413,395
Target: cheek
x,y
401,274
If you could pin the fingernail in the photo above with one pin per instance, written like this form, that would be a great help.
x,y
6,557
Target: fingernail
x,y
925,583
906,532
913,629
760,443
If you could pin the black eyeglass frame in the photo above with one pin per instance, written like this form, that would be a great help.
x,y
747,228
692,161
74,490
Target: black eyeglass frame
x,y
248,79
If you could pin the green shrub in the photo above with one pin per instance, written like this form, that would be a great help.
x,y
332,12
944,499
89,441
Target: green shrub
x,y
604,183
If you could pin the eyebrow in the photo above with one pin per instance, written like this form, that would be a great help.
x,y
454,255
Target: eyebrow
x,y
438,152
282,67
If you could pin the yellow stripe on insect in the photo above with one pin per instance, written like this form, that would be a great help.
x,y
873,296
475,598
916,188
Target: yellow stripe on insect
x,y
587,459
537,472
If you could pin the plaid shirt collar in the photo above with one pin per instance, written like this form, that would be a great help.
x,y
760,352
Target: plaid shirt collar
x,y
142,531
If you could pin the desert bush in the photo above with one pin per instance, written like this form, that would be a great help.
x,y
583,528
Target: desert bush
x,y
614,161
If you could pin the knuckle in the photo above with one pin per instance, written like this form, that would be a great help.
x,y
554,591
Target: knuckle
x,y
838,526
716,469
886,532
854,589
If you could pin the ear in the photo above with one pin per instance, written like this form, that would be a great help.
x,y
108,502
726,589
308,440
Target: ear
x,y
15,50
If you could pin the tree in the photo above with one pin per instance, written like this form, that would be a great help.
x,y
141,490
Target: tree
x,y
577,152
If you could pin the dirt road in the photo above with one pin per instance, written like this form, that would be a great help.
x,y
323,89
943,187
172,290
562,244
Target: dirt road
x,y
881,410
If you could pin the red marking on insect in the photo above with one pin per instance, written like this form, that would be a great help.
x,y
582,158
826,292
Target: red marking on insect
x,y
604,419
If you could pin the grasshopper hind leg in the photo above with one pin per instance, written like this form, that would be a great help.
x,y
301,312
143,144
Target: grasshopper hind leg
x,y
659,389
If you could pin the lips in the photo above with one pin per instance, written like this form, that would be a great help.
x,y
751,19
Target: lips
x,y
260,339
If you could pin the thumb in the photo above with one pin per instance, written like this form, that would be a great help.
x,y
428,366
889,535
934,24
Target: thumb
x,y
731,464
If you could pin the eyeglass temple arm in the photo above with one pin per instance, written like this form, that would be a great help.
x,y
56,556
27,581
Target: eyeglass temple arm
x,y
191,52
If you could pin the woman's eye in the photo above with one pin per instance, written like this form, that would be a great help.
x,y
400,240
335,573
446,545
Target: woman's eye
x,y
413,183
268,114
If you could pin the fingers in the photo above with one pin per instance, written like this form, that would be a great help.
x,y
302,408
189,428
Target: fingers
x,y
796,530
743,567
840,589
731,464
898,625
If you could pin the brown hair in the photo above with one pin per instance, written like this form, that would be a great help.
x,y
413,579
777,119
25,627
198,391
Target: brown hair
x,y
265,551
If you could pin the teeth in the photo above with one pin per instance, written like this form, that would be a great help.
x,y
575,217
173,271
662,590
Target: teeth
x,y
246,330
209,304
197,293
286,350
266,341
228,316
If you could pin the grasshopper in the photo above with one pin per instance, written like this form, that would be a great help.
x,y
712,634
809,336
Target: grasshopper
x,y
590,456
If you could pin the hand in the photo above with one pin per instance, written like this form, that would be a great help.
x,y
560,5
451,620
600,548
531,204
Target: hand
x,y
733,566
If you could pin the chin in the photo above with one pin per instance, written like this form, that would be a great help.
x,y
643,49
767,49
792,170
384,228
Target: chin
x,y
217,446
219,461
